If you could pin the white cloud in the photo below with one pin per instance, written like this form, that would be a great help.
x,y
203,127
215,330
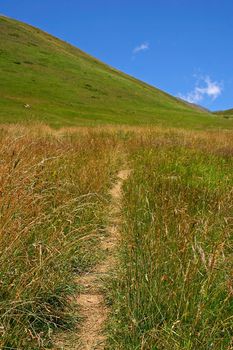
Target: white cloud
x,y
143,47
205,87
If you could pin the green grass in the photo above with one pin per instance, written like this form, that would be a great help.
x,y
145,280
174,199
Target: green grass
x,y
174,286
66,87
225,114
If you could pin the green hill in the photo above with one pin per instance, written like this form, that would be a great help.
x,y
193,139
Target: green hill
x,y
46,79
225,114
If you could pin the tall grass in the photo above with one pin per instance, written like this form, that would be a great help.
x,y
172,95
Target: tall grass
x,y
53,194
174,288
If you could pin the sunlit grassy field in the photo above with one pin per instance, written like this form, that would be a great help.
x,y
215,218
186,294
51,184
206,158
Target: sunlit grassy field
x,y
53,190
173,288
172,285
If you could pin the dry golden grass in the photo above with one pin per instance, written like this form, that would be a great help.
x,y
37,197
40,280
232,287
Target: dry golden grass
x,y
178,223
53,189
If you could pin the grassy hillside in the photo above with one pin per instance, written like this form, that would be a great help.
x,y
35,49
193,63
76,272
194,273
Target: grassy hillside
x,y
225,114
64,86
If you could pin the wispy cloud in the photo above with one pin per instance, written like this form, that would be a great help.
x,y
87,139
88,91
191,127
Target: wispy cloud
x,y
205,87
143,47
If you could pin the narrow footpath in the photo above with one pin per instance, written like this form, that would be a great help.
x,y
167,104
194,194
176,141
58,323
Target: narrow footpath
x,y
91,303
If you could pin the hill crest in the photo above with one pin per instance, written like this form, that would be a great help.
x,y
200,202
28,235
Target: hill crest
x,y
63,86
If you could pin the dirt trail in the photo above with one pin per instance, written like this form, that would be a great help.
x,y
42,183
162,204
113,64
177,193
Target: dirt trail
x,y
91,300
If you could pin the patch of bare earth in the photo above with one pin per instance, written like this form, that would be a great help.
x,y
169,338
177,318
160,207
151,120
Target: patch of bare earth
x,y
91,303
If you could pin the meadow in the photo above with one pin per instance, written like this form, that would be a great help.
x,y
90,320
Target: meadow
x,y
172,286
86,152
53,199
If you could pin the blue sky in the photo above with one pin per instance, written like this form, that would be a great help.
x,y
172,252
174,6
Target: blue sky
x,y
184,47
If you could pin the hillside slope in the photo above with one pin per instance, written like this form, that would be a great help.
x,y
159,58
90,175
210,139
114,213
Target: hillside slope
x,y
46,79
228,113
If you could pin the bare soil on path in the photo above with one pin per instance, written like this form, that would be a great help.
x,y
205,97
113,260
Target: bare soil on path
x,y
91,303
